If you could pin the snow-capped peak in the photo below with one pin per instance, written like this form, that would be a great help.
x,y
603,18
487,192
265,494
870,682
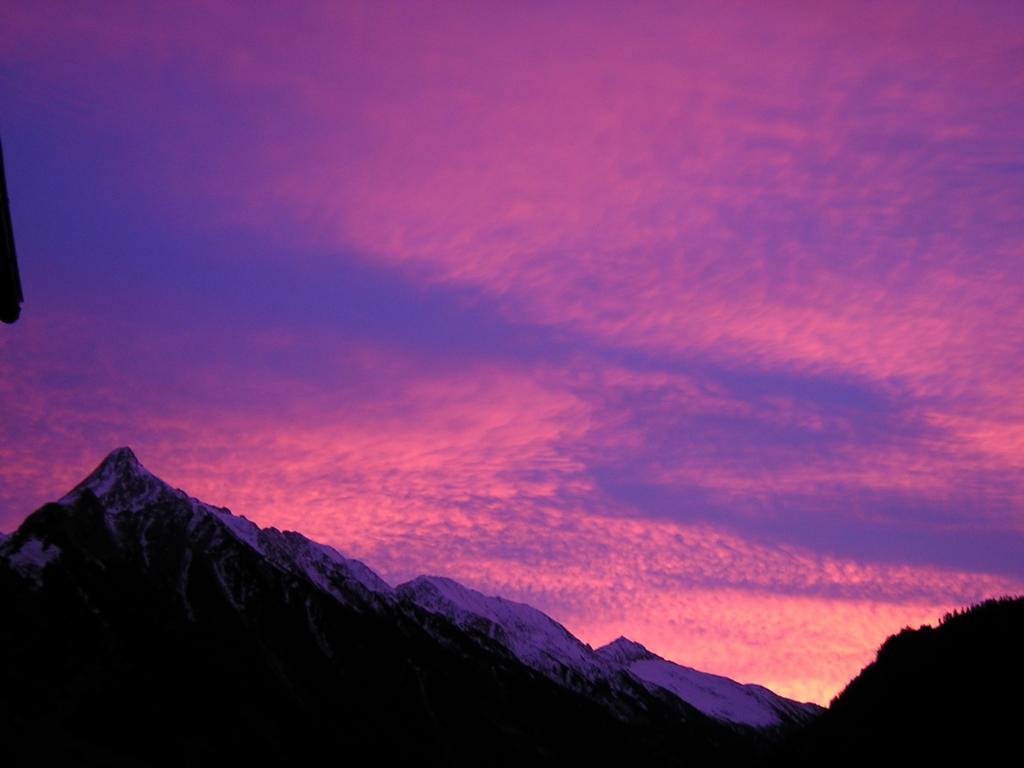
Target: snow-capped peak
x,y
120,482
28,556
120,463
624,651
533,637
125,487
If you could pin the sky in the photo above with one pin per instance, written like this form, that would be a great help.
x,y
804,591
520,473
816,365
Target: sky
x,y
699,323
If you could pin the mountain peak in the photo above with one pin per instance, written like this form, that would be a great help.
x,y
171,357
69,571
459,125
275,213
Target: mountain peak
x,y
122,460
121,482
625,651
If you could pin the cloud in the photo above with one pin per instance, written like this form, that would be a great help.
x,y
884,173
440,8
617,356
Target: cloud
x,y
484,474
710,337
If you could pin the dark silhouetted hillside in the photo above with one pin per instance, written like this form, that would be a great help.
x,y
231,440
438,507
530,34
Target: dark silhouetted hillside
x,y
934,693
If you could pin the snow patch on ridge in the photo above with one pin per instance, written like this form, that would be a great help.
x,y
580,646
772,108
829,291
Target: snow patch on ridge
x,y
30,557
542,643
356,568
533,637
244,529
719,697
321,564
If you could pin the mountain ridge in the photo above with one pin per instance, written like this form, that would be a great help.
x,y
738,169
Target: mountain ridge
x,y
282,651
128,596
123,486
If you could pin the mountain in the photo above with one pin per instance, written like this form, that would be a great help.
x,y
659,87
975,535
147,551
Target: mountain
x,y
122,485
542,643
142,626
714,695
950,693
534,638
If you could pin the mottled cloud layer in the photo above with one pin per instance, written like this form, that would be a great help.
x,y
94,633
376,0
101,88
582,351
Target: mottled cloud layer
x,y
701,324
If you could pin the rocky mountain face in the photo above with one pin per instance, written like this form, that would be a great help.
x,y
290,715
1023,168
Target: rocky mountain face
x,y
144,627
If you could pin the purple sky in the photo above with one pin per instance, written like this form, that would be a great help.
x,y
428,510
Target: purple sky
x,y
697,322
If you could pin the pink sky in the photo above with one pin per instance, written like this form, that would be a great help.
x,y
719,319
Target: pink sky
x,y
695,322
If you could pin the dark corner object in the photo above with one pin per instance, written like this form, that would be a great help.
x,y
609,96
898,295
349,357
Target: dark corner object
x,y
10,284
